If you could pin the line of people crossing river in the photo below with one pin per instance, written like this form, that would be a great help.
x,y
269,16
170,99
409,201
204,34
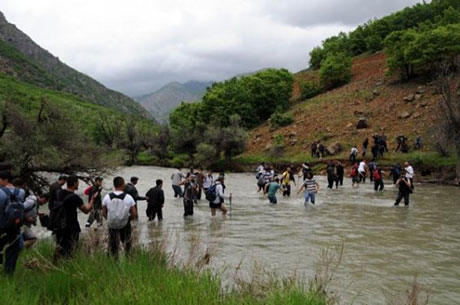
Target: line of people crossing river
x,y
19,209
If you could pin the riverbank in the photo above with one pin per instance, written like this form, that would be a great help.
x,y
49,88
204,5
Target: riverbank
x,y
430,167
148,276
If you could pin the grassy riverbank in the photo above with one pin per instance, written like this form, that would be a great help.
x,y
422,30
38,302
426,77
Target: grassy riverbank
x,y
147,277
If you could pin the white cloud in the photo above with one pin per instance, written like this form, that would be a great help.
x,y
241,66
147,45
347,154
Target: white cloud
x,y
136,46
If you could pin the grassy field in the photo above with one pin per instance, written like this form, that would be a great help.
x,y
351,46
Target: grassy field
x,y
146,277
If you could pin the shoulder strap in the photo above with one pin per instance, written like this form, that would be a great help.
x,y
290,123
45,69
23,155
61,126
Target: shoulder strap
x,y
6,190
121,196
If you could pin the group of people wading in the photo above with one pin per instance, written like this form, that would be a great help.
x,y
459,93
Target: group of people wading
x,y
270,182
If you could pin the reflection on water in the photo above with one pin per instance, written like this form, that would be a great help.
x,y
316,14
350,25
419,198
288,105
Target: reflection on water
x,y
384,246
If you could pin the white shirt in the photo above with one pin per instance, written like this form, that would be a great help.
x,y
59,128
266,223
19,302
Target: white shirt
x,y
362,167
129,201
354,151
260,168
409,172
208,180
219,192
177,178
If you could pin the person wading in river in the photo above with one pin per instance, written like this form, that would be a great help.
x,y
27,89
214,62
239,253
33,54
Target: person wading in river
x,y
176,180
119,208
96,213
215,196
405,190
286,179
190,187
271,189
155,201
340,172
310,188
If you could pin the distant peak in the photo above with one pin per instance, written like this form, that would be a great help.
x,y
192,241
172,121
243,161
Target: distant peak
x,y
2,18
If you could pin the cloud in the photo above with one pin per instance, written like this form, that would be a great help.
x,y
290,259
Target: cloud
x,y
139,45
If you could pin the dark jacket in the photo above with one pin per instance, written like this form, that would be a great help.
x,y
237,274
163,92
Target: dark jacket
x,y
132,190
155,196
54,190
98,200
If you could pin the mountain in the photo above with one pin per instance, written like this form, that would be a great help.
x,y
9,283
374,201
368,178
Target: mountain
x,y
161,102
22,59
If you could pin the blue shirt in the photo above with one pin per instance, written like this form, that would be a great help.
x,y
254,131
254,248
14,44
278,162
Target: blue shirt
x,y
4,197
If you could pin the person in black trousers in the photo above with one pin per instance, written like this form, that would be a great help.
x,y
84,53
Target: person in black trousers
x,y
404,190
155,201
340,173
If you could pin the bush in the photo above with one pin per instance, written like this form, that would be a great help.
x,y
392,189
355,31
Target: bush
x,y
205,154
277,149
180,160
309,89
335,71
279,119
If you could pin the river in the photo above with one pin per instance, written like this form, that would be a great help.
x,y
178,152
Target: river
x,y
384,246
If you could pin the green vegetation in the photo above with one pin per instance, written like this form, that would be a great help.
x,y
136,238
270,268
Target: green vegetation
x,y
422,51
309,89
335,71
146,277
278,119
253,98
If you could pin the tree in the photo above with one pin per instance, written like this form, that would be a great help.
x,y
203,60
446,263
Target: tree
x,y
159,143
47,142
335,70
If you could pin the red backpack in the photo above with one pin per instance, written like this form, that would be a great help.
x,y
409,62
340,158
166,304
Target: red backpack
x,y
377,175
87,190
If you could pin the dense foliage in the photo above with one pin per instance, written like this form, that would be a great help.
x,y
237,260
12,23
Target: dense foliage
x,y
279,119
335,71
418,51
253,98
370,37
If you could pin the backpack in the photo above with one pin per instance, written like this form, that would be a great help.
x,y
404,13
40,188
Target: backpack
x,y
211,194
117,211
261,181
88,190
376,175
58,214
354,172
13,213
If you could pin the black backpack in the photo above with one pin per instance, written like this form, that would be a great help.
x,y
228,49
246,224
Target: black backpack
x,y
211,193
58,214
13,212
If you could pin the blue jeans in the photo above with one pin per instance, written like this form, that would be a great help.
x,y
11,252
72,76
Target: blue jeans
x,y
272,199
309,196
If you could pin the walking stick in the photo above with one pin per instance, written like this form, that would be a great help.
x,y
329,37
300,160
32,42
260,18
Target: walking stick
x,y
230,205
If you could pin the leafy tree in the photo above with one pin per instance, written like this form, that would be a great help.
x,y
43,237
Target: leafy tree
x,y
395,46
205,154
317,55
335,71
279,119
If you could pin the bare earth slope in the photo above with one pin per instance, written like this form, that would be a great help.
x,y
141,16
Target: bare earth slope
x,y
333,115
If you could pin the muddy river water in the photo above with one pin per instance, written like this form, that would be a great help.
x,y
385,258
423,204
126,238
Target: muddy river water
x,y
384,247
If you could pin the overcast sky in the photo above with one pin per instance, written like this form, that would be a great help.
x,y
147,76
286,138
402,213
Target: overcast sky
x,y
136,46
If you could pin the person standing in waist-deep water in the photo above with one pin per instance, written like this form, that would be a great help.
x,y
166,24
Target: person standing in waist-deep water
x,y
405,190
310,188
119,208
131,189
372,165
189,194
9,232
96,213
54,189
176,180
67,237
286,179
377,175
331,177
340,172
155,201
271,189
409,173
208,181
354,175
219,201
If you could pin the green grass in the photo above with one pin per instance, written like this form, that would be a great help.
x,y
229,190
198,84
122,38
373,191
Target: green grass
x,y
144,278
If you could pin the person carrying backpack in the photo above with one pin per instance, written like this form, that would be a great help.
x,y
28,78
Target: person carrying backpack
x,y
96,213
64,219
11,220
31,206
215,196
377,175
119,208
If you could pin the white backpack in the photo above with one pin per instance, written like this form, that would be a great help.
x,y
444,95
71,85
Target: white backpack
x,y
117,211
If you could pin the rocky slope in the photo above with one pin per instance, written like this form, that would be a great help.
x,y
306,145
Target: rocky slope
x,y
161,102
23,59
384,105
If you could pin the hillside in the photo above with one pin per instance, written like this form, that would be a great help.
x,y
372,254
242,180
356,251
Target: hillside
x,y
333,116
22,59
161,102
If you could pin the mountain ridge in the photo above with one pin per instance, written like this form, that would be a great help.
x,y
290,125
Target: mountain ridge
x,y
50,73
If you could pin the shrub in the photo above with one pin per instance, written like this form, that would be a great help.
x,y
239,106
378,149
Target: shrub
x,y
309,89
279,119
277,149
205,154
335,71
